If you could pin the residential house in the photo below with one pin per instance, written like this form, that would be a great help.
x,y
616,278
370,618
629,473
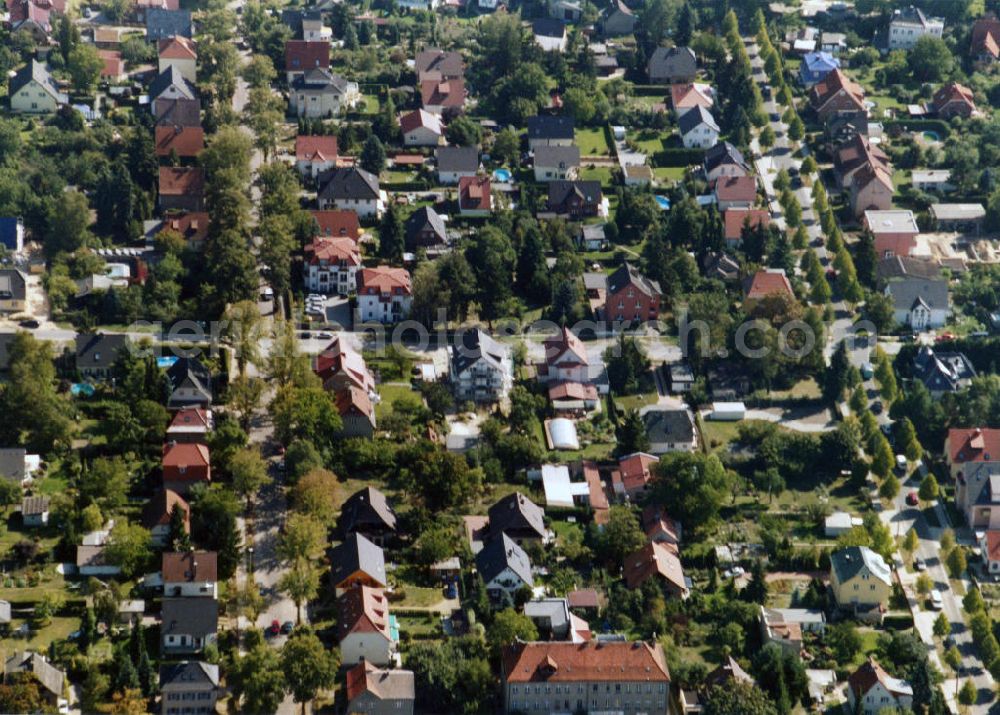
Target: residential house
x,y
189,383
910,24
836,94
973,456
505,570
17,465
338,224
985,40
481,368
660,561
726,674
766,283
565,10
833,42
688,95
319,94
190,574
565,359
13,291
157,516
27,17
421,128
185,465
356,562
735,192
190,424
35,511
368,512
339,366
306,24
556,163
385,294
12,234
736,221
855,154
96,354
169,85
870,690
598,675
177,113
182,142
301,56
456,162
920,304
724,159
549,34
91,560
953,100
578,398
33,90
631,297
802,41
816,66
634,473
425,229
575,200
188,625
179,52
617,20
190,687
698,128
897,268
637,175
379,691
354,189
670,430
786,626
436,64
357,413
960,218
51,680
162,23
941,371
113,69
871,190
519,518
554,620
445,96
659,527
315,154
860,579
182,188
547,130
366,631
989,545
719,266
331,265
592,237
475,196
672,65
895,232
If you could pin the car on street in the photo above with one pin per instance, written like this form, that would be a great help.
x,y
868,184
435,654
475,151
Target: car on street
x,y
324,336
287,627
913,499
273,629
919,564
937,603
943,337
31,324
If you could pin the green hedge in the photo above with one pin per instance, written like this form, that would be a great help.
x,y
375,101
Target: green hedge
x,y
678,157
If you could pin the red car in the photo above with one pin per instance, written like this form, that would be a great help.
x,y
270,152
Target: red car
x,y
274,629
943,337
913,499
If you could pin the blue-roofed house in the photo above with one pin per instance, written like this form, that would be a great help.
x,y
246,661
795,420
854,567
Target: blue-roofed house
x,y
161,24
816,66
12,234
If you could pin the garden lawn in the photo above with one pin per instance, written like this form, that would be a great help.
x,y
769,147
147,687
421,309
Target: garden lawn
x,y
59,629
592,142
602,174
390,392
669,173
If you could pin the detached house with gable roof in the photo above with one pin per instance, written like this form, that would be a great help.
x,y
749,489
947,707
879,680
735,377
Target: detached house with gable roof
x,y
331,265
380,691
546,130
96,354
660,561
555,163
188,625
505,569
355,189
190,384
456,162
33,90
425,228
190,574
436,64
182,188
319,94
860,579
357,413
475,196
985,40
953,100
443,96
481,368
365,630
698,128
870,690
158,514
942,372
670,65
765,283
519,518
179,52
910,24
617,20
51,680
162,23
315,154
185,465
356,562
183,142
385,294
724,159
631,297
339,366
973,457
368,512
190,687
421,128
575,200
836,95
302,56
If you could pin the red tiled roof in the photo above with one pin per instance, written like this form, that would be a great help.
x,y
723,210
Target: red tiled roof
x,y
636,470
190,566
584,598
992,545
572,391
563,662
979,444
766,283
161,506
419,118
474,193
833,84
302,55
734,219
736,188
363,609
114,65
193,225
333,250
953,92
354,400
338,223
654,559
185,141
177,48
190,417
446,93
687,95
186,455
864,678
181,181
565,342
986,37
384,279
316,148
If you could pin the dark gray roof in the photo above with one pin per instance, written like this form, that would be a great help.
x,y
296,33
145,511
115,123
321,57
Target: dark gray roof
x,y
364,510
905,293
171,76
319,79
178,113
694,117
476,345
13,284
673,60
548,27
357,554
517,515
664,425
560,156
724,153
593,232
500,553
190,372
35,70
560,191
350,183
423,218
51,678
942,372
849,562
458,158
293,19
193,616
907,267
189,671
544,126
99,350
627,274
161,24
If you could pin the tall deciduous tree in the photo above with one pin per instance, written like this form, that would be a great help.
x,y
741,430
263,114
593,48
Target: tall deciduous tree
x,y
308,666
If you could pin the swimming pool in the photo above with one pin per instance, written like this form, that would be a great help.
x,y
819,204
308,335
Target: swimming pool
x,y
502,175
663,202
932,135
165,362
79,389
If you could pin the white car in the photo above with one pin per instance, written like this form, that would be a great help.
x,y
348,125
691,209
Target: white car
x,y
937,603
